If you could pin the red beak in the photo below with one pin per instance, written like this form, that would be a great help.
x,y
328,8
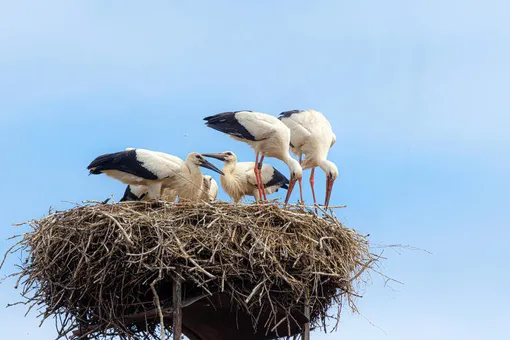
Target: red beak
x,y
289,190
329,189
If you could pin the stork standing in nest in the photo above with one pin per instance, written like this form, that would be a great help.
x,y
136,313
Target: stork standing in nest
x,y
311,135
267,135
155,170
239,179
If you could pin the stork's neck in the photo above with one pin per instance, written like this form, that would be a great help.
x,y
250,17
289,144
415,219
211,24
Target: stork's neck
x,y
317,157
232,181
229,167
289,160
295,168
193,174
190,185
186,169
323,164
195,170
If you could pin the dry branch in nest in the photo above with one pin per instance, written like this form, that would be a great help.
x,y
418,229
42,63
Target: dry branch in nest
x,y
107,269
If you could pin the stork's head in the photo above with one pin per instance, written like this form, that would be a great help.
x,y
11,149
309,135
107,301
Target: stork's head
x,y
207,181
296,171
199,160
331,172
225,156
213,189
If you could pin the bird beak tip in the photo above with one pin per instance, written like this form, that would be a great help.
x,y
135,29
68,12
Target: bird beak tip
x,y
329,190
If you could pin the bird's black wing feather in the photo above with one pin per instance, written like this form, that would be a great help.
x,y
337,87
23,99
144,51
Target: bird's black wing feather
x,y
287,114
227,122
129,195
278,179
124,161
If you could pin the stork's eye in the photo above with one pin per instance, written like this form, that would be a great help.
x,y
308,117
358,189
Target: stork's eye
x,y
229,153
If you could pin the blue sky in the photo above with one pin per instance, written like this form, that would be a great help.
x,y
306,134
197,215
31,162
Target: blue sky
x,y
417,94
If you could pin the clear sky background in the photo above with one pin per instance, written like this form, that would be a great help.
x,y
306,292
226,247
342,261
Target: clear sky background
x,y
417,93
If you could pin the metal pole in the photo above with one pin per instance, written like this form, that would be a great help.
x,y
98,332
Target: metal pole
x,y
177,319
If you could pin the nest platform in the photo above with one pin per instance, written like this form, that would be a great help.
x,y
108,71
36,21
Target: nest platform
x,y
237,271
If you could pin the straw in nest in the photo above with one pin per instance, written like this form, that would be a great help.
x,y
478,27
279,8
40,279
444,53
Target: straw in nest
x,y
108,269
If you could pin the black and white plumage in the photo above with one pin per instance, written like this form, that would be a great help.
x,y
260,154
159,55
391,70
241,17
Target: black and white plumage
x,y
134,193
139,193
311,135
128,162
239,178
266,134
155,170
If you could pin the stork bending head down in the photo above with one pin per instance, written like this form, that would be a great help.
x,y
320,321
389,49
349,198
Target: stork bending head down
x,y
267,135
311,135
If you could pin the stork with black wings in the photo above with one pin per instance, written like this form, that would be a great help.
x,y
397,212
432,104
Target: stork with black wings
x,y
155,170
267,135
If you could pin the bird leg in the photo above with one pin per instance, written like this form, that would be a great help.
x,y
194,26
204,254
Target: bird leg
x,y
260,178
261,185
312,182
257,175
301,181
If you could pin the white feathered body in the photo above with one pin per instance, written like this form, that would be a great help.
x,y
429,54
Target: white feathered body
x,y
209,189
311,135
183,178
208,192
239,180
272,136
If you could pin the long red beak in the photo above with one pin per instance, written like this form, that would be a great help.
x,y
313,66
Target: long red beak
x,y
329,189
289,190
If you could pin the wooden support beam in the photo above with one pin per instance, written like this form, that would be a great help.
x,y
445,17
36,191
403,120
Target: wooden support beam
x,y
177,304
143,316
306,331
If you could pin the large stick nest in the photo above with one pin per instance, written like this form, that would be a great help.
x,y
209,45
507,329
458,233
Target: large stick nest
x,y
108,269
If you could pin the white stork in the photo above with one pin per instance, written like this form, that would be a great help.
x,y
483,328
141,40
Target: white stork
x,y
209,189
156,170
267,135
209,192
239,179
311,135
139,192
